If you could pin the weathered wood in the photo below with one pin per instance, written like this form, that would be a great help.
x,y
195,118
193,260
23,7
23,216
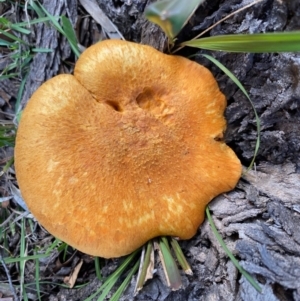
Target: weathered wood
x,y
47,65
268,241
129,18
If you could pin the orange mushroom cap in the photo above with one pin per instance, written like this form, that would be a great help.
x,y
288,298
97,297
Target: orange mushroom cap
x,y
125,150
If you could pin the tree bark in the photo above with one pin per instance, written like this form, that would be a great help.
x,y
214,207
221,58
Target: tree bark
x,y
260,219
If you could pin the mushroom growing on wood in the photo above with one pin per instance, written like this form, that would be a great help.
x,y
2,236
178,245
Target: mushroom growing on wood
x,y
127,149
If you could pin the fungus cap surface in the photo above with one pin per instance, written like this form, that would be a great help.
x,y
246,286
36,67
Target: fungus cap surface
x,y
127,149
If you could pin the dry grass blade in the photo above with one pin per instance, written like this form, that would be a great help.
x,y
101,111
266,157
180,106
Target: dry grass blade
x,y
98,15
15,192
20,216
146,267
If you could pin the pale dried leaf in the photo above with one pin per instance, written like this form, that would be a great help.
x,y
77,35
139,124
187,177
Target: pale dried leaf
x,y
70,280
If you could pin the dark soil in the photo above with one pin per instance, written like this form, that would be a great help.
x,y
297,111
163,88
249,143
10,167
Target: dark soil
x,y
260,219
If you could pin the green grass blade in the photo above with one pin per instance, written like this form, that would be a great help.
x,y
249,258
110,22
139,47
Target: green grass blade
x,y
25,297
112,279
5,43
171,271
12,37
6,141
66,30
69,33
229,254
9,260
7,165
7,136
116,296
98,268
42,50
53,19
36,7
171,15
17,27
13,65
6,24
10,75
56,244
256,43
91,297
123,266
33,257
107,288
64,252
180,257
35,21
238,83
20,93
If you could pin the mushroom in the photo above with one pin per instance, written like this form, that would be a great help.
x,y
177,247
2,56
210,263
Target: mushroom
x,y
127,149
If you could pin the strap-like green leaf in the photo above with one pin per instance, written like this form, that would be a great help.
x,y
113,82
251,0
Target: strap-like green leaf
x,y
69,31
241,87
256,43
229,254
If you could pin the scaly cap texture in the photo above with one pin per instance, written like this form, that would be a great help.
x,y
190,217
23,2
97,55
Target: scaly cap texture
x,y
127,149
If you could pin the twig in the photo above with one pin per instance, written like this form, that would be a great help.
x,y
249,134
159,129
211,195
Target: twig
x,y
7,220
21,215
220,21
9,279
